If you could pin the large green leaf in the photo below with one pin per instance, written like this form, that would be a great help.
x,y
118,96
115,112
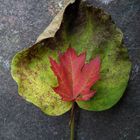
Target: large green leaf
x,y
87,29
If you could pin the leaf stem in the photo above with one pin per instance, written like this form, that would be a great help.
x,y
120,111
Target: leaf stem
x,y
72,122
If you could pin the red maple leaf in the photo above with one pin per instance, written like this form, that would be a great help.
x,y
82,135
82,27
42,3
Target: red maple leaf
x,y
75,78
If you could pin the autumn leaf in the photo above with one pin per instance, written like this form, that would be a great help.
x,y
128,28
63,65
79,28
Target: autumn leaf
x,y
75,78
87,29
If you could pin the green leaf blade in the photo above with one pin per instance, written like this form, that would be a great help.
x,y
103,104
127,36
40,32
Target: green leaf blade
x,y
85,28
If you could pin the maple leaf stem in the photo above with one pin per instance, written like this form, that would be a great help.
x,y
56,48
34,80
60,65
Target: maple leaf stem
x,y
72,122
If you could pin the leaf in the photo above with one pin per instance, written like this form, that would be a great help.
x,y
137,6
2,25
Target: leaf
x,y
75,78
87,29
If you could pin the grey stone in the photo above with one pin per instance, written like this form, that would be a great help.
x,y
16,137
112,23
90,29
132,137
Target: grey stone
x,y
21,21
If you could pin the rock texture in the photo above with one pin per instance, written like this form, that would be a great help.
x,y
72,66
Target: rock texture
x,y
20,24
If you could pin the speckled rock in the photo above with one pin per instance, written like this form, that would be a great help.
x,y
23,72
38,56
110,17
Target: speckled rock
x,y
20,23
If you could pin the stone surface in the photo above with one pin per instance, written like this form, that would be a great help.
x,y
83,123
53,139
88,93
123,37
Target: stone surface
x,y
20,23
